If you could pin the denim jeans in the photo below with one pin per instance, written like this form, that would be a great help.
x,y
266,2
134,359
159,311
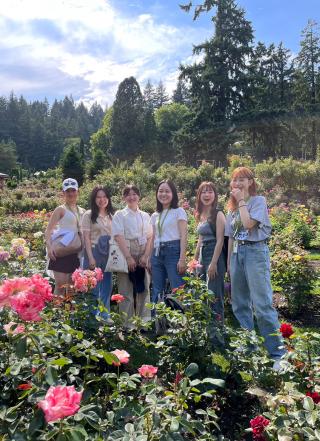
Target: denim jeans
x,y
102,292
164,266
251,291
215,285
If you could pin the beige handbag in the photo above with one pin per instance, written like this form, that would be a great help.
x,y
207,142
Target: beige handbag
x,y
61,250
73,247
117,263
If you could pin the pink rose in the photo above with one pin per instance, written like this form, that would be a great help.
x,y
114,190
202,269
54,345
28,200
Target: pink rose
x,y
27,305
123,357
10,287
18,329
117,298
60,402
148,371
99,274
193,265
42,287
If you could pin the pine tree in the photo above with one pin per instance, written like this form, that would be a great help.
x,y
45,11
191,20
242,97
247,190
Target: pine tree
x,y
149,95
161,96
219,83
72,164
127,124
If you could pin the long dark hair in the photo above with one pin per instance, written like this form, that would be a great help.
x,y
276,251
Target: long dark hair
x,y
175,199
95,208
199,205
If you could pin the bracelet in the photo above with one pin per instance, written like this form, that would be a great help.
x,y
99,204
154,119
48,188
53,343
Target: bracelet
x,y
241,200
243,205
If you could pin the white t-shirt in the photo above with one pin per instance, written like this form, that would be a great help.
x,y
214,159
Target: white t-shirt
x,y
167,222
131,224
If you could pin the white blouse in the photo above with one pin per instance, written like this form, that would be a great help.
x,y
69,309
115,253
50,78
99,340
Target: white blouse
x,y
131,224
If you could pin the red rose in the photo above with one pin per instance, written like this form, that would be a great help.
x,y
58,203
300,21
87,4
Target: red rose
x,y
315,396
258,425
286,330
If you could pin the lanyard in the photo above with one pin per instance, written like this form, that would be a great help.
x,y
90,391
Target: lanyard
x,y
160,224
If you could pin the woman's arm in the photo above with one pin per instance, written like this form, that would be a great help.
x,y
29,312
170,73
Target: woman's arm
x,y
246,220
143,261
87,244
183,229
220,227
54,219
197,252
230,250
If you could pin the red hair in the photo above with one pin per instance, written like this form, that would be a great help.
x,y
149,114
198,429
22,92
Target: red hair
x,y
242,172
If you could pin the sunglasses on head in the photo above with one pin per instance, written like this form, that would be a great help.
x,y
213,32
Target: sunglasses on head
x,y
69,184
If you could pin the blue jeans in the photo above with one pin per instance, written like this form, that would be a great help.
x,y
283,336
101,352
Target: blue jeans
x,y
102,292
215,285
164,266
251,291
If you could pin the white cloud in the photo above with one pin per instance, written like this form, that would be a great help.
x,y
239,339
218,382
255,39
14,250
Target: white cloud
x,y
85,48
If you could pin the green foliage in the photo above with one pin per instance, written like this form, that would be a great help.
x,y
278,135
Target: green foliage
x,y
127,122
294,228
99,161
72,164
8,156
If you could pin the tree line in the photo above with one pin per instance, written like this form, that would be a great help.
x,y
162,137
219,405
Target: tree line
x,y
242,97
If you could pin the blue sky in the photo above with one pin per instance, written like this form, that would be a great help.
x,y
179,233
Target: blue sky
x,y
53,48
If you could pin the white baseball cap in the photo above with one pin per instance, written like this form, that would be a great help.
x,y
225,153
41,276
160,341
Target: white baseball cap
x,y
70,183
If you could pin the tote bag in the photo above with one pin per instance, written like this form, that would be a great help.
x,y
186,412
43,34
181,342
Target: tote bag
x,y
117,263
73,247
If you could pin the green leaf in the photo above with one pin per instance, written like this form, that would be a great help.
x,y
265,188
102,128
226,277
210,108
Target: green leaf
x,y
78,434
192,369
15,369
51,375
129,428
61,361
215,381
308,404
36,423
21,347
174,426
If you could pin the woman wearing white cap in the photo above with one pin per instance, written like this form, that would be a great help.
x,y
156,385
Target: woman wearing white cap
x,y
65,223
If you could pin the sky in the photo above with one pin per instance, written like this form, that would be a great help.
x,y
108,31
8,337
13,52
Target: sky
x,y
85,48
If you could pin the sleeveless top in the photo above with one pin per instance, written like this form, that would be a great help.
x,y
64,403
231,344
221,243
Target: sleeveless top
x,y
69,221
207,230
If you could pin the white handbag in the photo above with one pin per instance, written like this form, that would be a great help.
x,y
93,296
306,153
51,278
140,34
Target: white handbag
x,y
117,263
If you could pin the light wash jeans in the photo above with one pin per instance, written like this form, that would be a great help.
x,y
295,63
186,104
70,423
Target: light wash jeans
x,y
164,266
251,291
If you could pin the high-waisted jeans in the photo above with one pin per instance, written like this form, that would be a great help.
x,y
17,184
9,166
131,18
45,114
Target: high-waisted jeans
x,y
216,285
251,291
164,266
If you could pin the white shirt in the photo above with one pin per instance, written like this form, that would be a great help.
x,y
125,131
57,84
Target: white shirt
x,y
131,224
169,224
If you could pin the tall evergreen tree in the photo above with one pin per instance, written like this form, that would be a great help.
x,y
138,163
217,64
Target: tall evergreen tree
x,y
307,85
127,124
72,164
219,83
161,96
149,95
181,94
